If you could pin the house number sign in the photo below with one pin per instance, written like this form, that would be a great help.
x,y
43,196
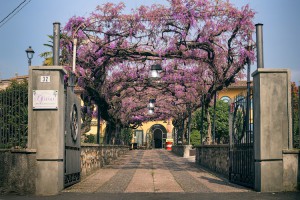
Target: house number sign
x,y
45,79
45,99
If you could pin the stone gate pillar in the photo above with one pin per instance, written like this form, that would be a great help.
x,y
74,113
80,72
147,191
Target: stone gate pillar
x,y
46,111
272,126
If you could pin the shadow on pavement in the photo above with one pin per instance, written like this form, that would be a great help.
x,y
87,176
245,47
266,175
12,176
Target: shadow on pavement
x,y
171,196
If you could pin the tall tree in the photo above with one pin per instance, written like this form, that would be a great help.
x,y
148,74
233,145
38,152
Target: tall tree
x,y
199,43
221,123
47,55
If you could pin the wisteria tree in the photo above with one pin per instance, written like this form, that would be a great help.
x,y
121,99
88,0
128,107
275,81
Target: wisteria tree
x,y
202,46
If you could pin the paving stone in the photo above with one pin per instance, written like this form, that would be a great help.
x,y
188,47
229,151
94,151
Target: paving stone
x,y
153,171
119,182
187,182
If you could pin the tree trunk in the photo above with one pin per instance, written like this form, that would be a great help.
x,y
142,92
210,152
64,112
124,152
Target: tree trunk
x,y
98,124
113,134
176,135
189,128
208,138
182,132
109,132
117,135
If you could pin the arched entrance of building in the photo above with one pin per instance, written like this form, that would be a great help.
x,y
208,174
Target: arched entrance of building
x,y
158,138
158,135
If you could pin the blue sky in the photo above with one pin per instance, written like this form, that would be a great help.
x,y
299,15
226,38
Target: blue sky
x,y
31,25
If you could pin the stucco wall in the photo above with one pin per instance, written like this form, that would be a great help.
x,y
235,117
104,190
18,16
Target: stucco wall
x,y
291,170
17,171
214,157
95,156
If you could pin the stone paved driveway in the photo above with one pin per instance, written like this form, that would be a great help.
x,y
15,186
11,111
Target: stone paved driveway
x,y
153,171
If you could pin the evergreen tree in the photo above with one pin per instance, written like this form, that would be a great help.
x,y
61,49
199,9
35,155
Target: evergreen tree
x,y
14,115
222,124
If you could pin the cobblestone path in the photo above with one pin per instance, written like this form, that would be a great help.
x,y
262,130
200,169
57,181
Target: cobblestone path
x,y
153,171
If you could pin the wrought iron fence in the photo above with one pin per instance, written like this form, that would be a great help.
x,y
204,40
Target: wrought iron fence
x,y
241,153
14,116
296,116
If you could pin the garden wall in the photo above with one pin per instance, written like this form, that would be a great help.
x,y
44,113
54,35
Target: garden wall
x,y
95,156
18,167
17,171
214,158
183,150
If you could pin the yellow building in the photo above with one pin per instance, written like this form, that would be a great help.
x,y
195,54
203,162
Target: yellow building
x,y
153,134
93,130
235,89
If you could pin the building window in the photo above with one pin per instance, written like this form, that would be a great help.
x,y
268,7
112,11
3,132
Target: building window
x,y
139,137
226,99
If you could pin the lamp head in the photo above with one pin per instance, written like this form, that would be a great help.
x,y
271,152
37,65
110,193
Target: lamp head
x,y
151,111
151,103
29,52
155,70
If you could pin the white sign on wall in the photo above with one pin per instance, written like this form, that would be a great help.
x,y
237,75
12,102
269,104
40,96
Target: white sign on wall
x,y
45,99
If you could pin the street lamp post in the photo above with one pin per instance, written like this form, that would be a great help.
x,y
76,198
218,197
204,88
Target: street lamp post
x,y
29,53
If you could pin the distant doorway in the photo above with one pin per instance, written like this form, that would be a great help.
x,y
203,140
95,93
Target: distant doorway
x,y
158,138
158,135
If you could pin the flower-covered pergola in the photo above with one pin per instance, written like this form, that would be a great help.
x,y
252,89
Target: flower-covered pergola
x,y
200,44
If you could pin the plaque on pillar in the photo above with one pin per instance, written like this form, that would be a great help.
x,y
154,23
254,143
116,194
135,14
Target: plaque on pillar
x,y
45,99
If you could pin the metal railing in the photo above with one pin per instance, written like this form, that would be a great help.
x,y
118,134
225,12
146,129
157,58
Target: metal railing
x,y
296,116
241,152
14,116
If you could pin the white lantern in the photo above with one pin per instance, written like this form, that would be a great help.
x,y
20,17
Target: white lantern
x,y
155,70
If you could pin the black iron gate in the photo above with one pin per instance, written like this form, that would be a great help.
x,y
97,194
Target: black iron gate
x,y
72,139
241,169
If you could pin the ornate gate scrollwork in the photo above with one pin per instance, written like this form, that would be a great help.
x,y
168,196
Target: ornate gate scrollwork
x,y
241,153
72,139
239,122
74,122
